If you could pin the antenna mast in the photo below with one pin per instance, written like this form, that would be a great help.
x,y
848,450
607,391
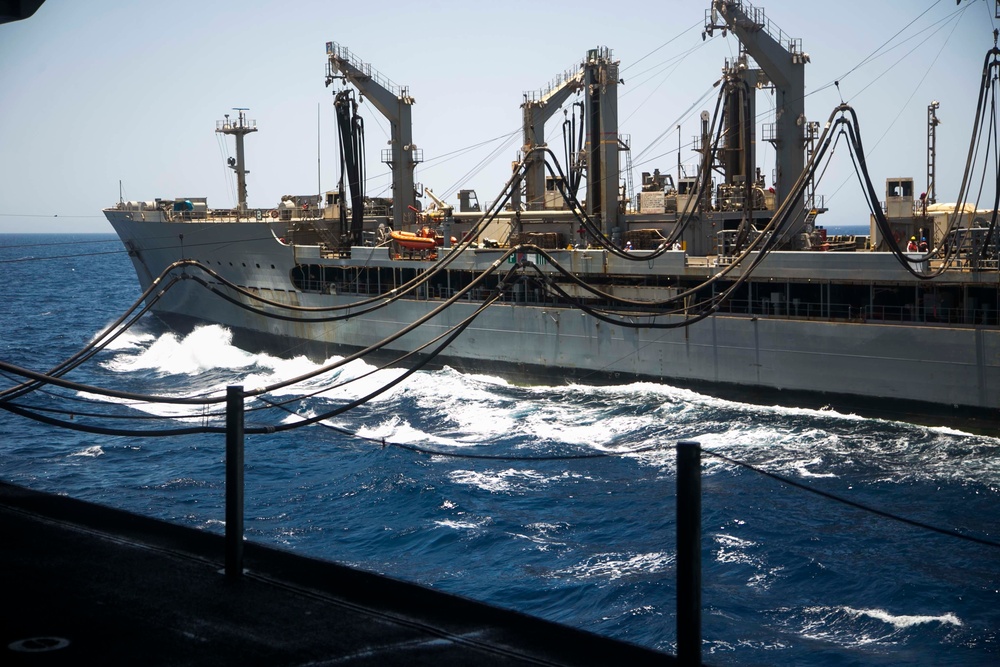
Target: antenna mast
x,y
932,123
238,128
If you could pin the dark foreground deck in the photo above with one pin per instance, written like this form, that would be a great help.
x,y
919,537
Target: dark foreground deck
x,y
85,584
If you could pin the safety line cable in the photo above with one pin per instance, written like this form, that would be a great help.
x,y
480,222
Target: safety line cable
x,y
611,454
21,260
779,478
853,503
50,244
488,457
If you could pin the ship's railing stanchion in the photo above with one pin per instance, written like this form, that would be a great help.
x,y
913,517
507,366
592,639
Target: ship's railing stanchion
x,y
688,553
234,481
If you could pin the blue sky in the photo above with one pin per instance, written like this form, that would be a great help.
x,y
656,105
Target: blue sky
x,y
105,91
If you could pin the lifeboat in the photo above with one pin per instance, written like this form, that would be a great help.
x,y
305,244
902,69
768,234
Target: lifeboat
x,y
414,241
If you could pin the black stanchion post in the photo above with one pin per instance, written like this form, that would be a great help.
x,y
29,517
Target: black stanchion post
x,y
689,553
234,482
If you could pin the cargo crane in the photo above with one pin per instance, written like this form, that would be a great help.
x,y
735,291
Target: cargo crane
x,y
538,108
394,103
783,62
597,79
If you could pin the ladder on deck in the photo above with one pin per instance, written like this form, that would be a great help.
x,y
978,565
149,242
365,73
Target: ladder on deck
x,y
623,145
811,216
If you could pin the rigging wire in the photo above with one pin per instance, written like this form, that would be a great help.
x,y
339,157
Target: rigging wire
x,y
663,80
482,164
458,152
666,43
920,45
229,175
871,56
906,56
638,161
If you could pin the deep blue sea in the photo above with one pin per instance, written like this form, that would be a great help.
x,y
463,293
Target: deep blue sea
x,y
789,577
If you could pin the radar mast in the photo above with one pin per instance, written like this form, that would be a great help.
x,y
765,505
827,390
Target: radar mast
x,y
239,128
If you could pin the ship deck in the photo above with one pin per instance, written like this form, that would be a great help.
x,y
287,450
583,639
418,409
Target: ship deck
x,y
85,584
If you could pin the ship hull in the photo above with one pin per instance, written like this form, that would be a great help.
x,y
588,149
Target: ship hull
x,y
917,368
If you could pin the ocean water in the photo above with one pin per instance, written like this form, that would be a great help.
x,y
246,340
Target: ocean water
x,y
788,576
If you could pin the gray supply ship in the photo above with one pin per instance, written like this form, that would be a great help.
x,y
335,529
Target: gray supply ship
x,y
716,280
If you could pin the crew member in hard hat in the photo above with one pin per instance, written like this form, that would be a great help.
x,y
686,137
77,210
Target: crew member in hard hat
x,y
912,245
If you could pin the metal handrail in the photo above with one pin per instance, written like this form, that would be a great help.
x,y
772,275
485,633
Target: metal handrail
x,y
343,53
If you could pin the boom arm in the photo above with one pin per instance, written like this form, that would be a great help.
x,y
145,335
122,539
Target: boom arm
x,y
783,61
394,103
441,204
537,110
